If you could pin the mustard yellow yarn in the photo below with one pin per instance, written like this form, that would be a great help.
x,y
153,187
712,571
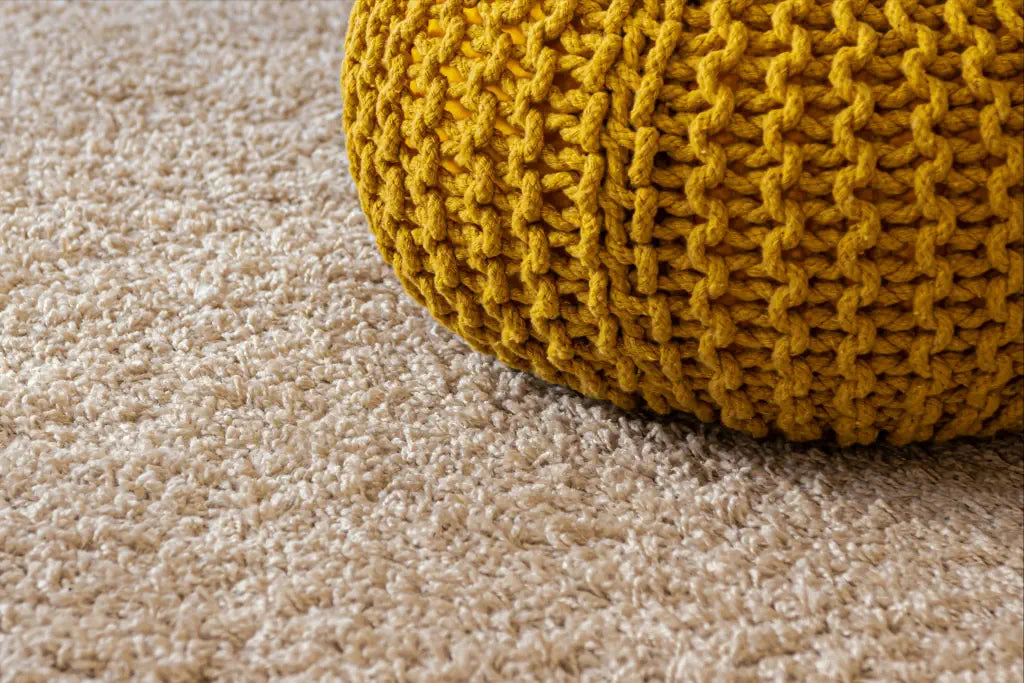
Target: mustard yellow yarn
x,y
798,216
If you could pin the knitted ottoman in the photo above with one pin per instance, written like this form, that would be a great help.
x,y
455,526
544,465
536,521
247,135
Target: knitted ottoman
x,y
803,217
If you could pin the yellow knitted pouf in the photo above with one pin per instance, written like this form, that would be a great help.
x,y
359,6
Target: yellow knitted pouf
x,y
803,217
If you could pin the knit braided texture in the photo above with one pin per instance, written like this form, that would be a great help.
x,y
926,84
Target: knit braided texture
x,y
802,217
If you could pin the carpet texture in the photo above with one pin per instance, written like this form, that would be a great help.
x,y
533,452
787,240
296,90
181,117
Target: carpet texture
x,y
232,448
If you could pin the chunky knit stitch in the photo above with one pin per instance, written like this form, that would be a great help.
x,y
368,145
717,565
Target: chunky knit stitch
x,y
803,216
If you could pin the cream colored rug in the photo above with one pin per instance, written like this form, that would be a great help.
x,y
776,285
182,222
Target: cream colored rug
x,y
232,448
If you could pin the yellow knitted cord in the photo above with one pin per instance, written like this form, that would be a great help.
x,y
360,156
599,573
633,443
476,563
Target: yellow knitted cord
x,y
800,216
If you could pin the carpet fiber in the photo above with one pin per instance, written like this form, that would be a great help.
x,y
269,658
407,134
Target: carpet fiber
x,y
231,446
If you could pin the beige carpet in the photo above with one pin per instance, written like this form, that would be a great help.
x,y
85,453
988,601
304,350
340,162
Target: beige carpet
x,y
232,448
